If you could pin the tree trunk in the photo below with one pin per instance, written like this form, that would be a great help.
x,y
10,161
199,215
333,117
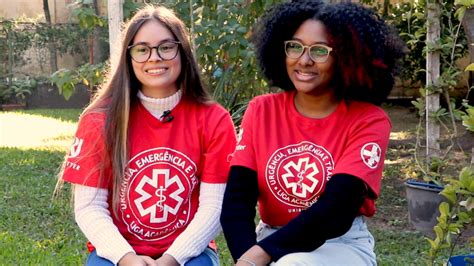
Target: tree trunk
x,y
432,75
386,4
115,14
98,54
468,25
53,58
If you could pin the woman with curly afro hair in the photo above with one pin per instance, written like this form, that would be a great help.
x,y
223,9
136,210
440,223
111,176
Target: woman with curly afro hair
x,y
312,156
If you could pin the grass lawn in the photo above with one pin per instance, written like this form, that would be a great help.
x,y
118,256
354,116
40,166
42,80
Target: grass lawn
x,y
35,230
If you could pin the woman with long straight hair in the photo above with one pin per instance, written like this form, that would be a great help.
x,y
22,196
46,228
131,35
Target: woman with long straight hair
x,y
150,157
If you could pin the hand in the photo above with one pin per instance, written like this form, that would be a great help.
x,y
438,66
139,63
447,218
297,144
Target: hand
x,y
255,254
167,260
136,260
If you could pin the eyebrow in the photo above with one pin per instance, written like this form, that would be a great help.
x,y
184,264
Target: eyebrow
x,y
301,41
160,42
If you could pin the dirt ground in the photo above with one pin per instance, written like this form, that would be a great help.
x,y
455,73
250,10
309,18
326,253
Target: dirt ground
x,y
392,210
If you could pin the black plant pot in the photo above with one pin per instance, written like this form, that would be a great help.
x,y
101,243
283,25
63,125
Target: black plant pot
x,y
423,201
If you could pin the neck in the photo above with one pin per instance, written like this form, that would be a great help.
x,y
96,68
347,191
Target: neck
x,y
156,106
315,106
153,92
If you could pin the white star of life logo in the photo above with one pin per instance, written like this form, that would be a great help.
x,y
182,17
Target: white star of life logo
x,y
371,154
160,188
300,177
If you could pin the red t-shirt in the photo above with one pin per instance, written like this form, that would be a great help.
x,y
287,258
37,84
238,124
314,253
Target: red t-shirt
x,y
294,156
168,160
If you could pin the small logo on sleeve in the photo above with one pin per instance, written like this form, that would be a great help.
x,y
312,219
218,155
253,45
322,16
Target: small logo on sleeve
x,y
371,154
239,138
76,147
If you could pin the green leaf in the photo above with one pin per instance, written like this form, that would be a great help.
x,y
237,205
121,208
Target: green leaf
x,y
439,232
242,29
233,51
468,119
433,244
444,208
465,3
463,216
67,91
466,177
449,193
454,228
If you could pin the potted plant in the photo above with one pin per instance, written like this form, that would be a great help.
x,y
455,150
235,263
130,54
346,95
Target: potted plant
x,y
455,219
456,214
13,95
425,191
438,156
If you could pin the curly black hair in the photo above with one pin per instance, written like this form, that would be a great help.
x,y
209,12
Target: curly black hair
x,y
277,25
366,50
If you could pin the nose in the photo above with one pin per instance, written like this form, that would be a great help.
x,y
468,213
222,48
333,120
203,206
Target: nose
x,y
154,56
305,59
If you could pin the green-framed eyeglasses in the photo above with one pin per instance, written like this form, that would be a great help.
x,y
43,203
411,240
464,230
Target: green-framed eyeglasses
x,y
319,53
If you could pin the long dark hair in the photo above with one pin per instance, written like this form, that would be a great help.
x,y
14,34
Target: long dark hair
x,y
119,92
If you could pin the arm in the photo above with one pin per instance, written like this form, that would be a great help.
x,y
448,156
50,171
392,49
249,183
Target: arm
x,y
204,226
238,210
93,217
331,216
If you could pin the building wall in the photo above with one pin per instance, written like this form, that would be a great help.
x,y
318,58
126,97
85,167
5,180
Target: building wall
x,y
60,11
34,9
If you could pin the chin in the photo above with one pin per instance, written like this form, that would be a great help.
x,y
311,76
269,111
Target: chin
x,y
306,89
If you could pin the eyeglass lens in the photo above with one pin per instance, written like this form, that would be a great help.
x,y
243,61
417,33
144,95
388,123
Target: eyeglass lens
x,y
142,52
317,52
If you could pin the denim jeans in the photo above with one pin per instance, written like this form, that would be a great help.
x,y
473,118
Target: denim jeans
x,y
207,258
356,247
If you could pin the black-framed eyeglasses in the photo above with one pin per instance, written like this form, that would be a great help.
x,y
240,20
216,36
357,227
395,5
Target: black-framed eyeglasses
x,y
319,53
141,52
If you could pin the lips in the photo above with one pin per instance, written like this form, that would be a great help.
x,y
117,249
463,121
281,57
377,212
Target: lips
x,y
305,75
156,71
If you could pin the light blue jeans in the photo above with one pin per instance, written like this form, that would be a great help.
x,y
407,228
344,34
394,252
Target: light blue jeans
x,y
207,258
356,247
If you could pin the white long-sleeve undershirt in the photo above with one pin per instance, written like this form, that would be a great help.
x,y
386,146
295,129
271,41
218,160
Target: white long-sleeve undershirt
x,y
93,218
204,226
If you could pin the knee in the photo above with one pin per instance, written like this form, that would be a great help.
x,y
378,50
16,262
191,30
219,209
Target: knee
x,y
292,260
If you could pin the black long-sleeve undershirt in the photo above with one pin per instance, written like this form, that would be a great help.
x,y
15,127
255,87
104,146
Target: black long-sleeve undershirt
x,y
238,210
331,216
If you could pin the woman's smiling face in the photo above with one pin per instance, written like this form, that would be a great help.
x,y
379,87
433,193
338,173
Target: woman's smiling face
x,y
308,76
157,77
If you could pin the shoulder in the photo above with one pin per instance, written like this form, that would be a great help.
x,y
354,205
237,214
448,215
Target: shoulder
x,y
270,99
367,112
92,119
91,127
212,109
366,109
209,114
